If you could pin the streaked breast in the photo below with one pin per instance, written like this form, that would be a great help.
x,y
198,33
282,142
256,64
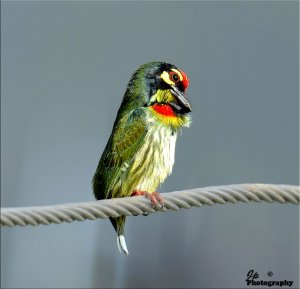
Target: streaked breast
x,y
153,162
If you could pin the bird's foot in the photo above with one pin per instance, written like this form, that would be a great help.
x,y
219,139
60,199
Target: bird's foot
x,y
154,197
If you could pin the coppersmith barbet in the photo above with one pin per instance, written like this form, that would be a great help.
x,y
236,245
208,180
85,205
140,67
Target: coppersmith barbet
x,y
140,152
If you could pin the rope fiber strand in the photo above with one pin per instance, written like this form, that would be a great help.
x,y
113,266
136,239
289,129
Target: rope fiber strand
x,y
57,214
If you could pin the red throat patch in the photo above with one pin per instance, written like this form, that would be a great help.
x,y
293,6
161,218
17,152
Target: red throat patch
x,y
163,109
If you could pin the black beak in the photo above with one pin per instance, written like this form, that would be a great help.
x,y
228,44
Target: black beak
x,y
183,105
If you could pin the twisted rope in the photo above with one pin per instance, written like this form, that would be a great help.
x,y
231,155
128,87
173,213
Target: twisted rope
x,y
58,214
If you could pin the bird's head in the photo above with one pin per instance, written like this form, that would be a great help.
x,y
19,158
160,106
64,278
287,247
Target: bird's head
x,y
161,87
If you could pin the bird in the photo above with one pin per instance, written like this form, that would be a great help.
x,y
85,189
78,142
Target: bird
x,y
140,152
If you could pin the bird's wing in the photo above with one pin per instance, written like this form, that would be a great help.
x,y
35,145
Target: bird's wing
x,y
125,141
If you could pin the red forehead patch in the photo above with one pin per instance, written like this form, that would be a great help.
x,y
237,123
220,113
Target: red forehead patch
x,y
185,81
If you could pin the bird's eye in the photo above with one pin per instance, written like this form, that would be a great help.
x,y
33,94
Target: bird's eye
x,y
174,76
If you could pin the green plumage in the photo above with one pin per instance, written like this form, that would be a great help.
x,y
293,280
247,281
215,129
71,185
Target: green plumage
x,y
127,137
140,152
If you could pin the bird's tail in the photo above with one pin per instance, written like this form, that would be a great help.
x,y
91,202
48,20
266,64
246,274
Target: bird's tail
x,y
119,224
122,244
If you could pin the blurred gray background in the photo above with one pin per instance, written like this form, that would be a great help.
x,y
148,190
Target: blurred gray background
x,y
64,70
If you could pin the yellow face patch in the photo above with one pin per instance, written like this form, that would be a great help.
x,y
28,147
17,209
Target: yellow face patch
x,y
166,76
162,96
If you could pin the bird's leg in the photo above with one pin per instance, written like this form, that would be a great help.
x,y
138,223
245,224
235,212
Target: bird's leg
x,y
154,197
158,198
